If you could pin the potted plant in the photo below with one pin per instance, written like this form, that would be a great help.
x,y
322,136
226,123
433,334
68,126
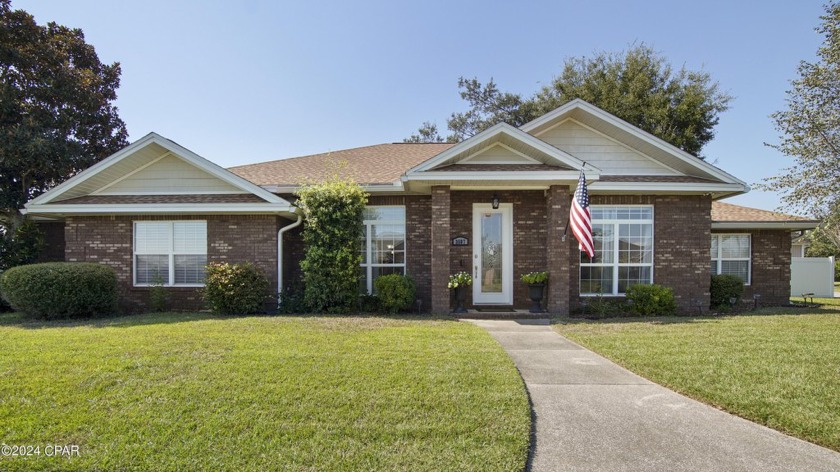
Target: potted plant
x,y
459,282
536,286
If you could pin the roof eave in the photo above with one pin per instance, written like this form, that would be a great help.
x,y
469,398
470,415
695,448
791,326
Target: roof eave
x,y
786,225
161,208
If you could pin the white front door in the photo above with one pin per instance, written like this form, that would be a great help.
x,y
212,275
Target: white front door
x,y
492,254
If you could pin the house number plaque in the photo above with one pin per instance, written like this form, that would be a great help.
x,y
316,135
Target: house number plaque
x,y
460,241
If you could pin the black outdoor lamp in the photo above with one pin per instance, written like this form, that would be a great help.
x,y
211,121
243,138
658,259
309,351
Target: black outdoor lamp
x,y
495,201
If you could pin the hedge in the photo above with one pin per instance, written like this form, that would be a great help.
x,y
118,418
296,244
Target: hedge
x,y
56,290
395,292
235,288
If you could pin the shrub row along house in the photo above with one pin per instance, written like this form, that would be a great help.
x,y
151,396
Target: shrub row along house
x,y
495,205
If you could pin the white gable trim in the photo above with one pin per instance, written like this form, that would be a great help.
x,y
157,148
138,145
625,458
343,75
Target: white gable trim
x,y
611,139
173,148
633,130
560,156
471,159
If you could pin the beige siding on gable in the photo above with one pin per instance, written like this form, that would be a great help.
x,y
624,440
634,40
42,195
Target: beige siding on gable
x,y
170,175
602,152
498,154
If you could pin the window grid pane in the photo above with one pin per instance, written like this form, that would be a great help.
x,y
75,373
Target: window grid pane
x,y
190,237
731,255
382,245
189,269
151,238
157,244
152,269
623,238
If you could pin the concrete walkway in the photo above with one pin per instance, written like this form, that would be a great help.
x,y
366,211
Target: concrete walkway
x,y
592,415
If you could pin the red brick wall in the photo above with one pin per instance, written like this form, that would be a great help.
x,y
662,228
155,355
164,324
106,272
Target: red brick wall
x,y
770,265
418,231
558,204
440,231
230,238
682,239
54,242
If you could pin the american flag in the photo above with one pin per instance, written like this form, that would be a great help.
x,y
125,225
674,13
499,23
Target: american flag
x,y
581,219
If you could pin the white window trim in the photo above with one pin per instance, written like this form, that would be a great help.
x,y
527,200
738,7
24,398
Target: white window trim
x,y
719,259
368,266
171,252
616,265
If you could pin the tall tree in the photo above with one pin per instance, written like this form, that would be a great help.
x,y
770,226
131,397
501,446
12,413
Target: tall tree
x,y
638,85
57,114
810,129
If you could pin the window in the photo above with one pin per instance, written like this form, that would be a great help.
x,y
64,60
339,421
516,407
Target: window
x,y
383,243
731,255
172,252
623,237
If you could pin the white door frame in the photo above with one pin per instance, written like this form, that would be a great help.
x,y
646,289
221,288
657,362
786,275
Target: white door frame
x,y
505,297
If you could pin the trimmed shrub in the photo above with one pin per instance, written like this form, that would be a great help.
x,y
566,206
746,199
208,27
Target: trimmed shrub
x,y
55,290
332,229
235,288
723,288
395,292
651,300
158,297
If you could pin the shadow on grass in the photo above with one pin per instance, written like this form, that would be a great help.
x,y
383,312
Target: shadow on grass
x,y
20,320
705,318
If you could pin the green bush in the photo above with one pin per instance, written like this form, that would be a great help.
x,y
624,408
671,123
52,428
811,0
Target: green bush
x,y
235,288
291,300
532,278
651,300
723,288
395,292
158,296
331,233
56,290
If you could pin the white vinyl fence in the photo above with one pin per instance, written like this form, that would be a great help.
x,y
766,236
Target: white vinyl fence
x,y
812,275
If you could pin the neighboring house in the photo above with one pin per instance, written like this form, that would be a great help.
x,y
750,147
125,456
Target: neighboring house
x,y
157,208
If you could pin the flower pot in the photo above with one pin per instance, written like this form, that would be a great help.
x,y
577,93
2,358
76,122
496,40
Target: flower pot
x,y
535,293
460,296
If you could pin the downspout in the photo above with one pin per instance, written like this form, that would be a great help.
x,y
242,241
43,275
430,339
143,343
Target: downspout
x,y
280,251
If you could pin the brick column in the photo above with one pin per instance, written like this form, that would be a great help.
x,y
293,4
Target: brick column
x,y
441,207
557,257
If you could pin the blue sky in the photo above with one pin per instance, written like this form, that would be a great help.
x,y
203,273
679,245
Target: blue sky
x,y
243,82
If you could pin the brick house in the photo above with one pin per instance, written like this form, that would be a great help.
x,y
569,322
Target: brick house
x,y
495,205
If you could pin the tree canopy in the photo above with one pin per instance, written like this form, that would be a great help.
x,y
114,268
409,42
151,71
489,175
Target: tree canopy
x,y
57,115
638,85
810,129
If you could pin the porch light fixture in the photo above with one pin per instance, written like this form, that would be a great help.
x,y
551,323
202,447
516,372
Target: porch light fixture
x,y
495,201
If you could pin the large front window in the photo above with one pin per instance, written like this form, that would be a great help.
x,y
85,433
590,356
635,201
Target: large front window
x,y
170,252
731,255
383,243
623,237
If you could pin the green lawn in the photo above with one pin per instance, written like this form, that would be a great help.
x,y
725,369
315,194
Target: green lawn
x,y
198,392
780,368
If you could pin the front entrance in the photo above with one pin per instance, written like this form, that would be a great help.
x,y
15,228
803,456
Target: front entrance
x,y
492,254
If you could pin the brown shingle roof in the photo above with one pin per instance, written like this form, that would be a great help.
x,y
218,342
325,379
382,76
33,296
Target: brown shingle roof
x,y
727,212
498,167
151,199
378,164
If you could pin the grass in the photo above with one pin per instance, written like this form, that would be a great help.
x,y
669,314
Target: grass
x,y
198,392
779,367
